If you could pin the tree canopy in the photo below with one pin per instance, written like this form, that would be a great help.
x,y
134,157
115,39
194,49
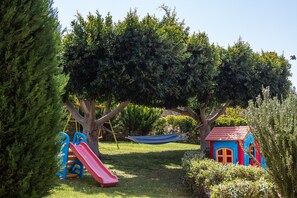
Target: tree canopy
x,y
134,60
157,62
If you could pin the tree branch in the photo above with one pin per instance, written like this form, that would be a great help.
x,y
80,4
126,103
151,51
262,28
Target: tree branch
x,y
111,114
187,112
75,113
193,114
220,112
84,107
183,112
92,108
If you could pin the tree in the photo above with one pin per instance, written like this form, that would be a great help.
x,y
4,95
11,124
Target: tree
x,y
273,123
30,98
232,79
131,61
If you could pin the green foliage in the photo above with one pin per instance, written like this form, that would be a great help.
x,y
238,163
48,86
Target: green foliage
x,y
137,119
135,59
177,124
243,188
271,70
235,76
161,126
87,57
232,117
273,123
30,94
182,124
243,73
206,176
200,68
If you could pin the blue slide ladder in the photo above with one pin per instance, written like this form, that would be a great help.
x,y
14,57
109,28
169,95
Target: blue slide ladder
x,y
74,165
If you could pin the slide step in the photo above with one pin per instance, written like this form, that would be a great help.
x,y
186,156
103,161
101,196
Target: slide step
x,y
72,175
70,162
72,157
70,152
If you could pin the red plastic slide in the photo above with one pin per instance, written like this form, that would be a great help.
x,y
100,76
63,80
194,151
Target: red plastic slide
x,y
94,165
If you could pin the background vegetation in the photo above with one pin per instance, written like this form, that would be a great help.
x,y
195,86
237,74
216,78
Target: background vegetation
x,y
137,120
232,117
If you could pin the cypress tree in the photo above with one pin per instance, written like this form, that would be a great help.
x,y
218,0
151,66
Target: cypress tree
x,y
30,90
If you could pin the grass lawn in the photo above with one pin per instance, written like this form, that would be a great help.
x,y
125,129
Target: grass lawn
x,y
143,171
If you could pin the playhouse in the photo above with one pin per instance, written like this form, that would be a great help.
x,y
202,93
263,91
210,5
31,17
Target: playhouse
x,y
231,144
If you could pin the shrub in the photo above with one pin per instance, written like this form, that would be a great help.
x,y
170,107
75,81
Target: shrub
x,y
204,174
137,119
160,126
179,125
240,188
273,123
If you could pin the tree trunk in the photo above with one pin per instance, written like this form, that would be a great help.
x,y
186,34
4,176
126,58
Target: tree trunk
x,y
92,141
204,130
90,129
88,120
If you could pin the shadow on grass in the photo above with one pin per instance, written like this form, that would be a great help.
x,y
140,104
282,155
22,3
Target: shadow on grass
x,y
152,174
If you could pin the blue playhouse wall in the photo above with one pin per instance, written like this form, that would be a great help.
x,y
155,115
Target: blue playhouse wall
x,y
226,144
248,140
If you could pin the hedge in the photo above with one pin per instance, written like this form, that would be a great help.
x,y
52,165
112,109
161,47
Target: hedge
x,y
208,178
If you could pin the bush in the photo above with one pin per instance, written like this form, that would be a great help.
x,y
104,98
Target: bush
x,y
233,117
227,121
240,188
160,126
273,123
179,125
137,119
203,175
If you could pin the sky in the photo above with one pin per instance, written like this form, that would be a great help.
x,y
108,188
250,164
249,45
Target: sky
x,y
268,25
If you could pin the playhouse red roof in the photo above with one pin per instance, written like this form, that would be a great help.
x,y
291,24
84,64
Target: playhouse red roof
x,y
228,133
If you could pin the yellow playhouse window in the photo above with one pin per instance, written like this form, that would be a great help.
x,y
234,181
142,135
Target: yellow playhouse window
x,y
224,155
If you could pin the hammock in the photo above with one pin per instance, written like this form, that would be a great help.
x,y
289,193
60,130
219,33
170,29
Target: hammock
x,y
157,139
